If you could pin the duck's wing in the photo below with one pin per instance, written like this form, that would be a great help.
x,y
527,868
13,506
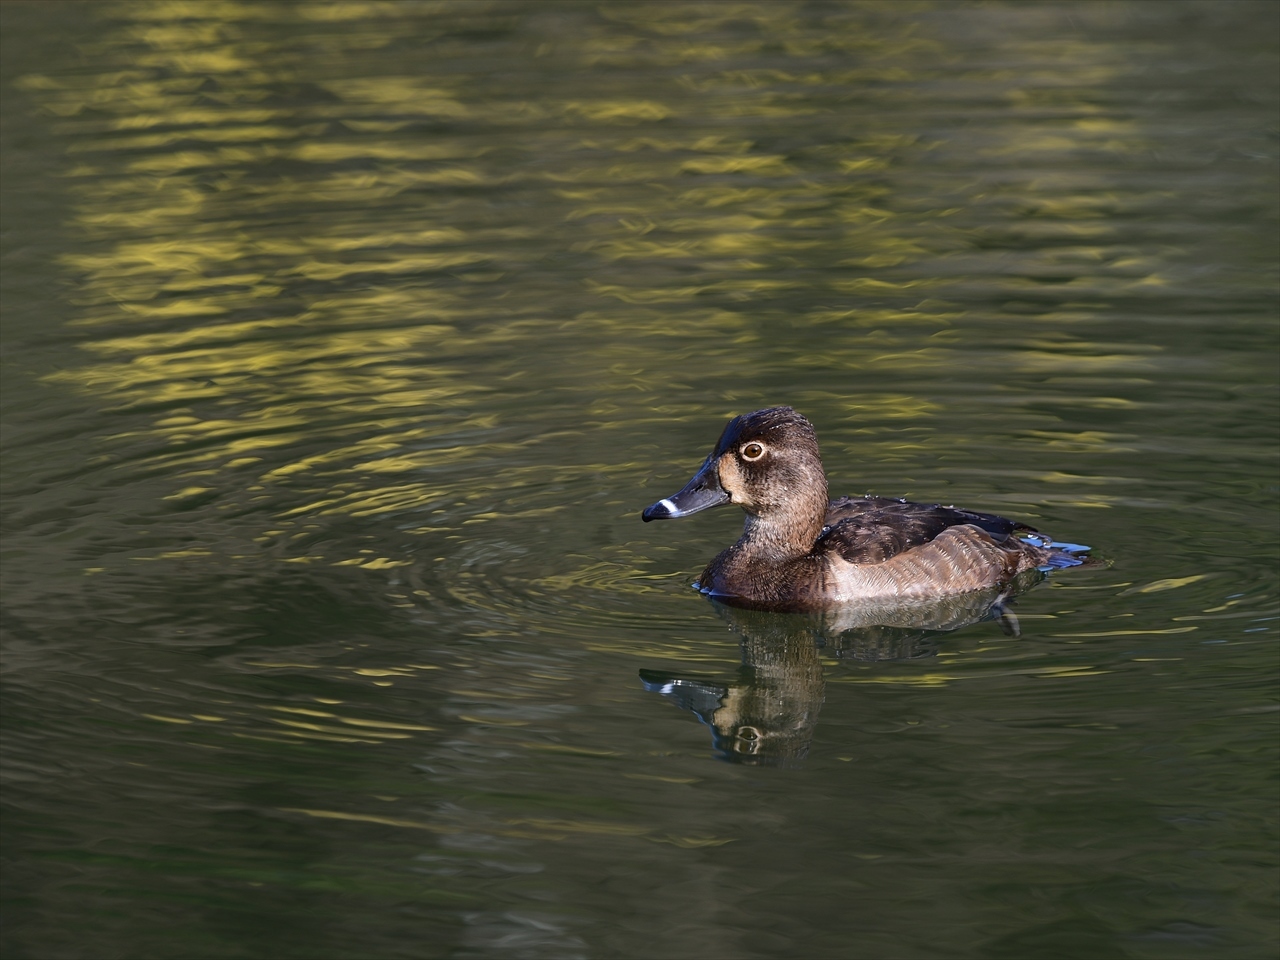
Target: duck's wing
x,y
874,529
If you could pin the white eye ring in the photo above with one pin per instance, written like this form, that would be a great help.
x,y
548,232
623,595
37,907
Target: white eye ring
x,y
759,450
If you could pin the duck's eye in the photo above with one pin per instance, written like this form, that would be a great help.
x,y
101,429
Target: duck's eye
x,y
752,451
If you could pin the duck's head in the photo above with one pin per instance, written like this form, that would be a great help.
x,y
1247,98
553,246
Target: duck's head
x,y
767,462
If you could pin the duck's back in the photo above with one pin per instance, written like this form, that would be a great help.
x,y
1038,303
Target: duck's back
x,y
878,547
875,529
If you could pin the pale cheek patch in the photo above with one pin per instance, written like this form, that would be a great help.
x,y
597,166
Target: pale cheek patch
x,y
727,471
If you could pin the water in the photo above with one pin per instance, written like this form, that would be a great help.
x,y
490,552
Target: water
x,y
345,342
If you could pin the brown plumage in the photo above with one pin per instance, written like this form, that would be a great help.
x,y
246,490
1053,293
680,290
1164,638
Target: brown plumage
x,y
799,551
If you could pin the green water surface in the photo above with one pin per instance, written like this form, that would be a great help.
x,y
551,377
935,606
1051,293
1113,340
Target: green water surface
x,y
345,341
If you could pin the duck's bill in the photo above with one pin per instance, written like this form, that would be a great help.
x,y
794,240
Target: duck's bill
x,y
700,493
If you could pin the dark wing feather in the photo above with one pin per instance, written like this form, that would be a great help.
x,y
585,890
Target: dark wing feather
x,y
873,529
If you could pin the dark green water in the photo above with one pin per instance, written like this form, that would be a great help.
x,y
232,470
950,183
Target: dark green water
x,y
343,344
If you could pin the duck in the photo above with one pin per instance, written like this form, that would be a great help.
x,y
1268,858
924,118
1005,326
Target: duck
x,y
801,552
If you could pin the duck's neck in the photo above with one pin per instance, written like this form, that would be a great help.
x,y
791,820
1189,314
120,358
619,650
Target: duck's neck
x,y
786,531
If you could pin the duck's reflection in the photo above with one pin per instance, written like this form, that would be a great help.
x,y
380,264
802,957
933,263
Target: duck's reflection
x,y
768,712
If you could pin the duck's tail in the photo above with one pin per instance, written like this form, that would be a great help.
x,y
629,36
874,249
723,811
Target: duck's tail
x,y
1060,554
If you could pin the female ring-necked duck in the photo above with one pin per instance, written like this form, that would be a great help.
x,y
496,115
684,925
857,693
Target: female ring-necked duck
x,y
800,552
